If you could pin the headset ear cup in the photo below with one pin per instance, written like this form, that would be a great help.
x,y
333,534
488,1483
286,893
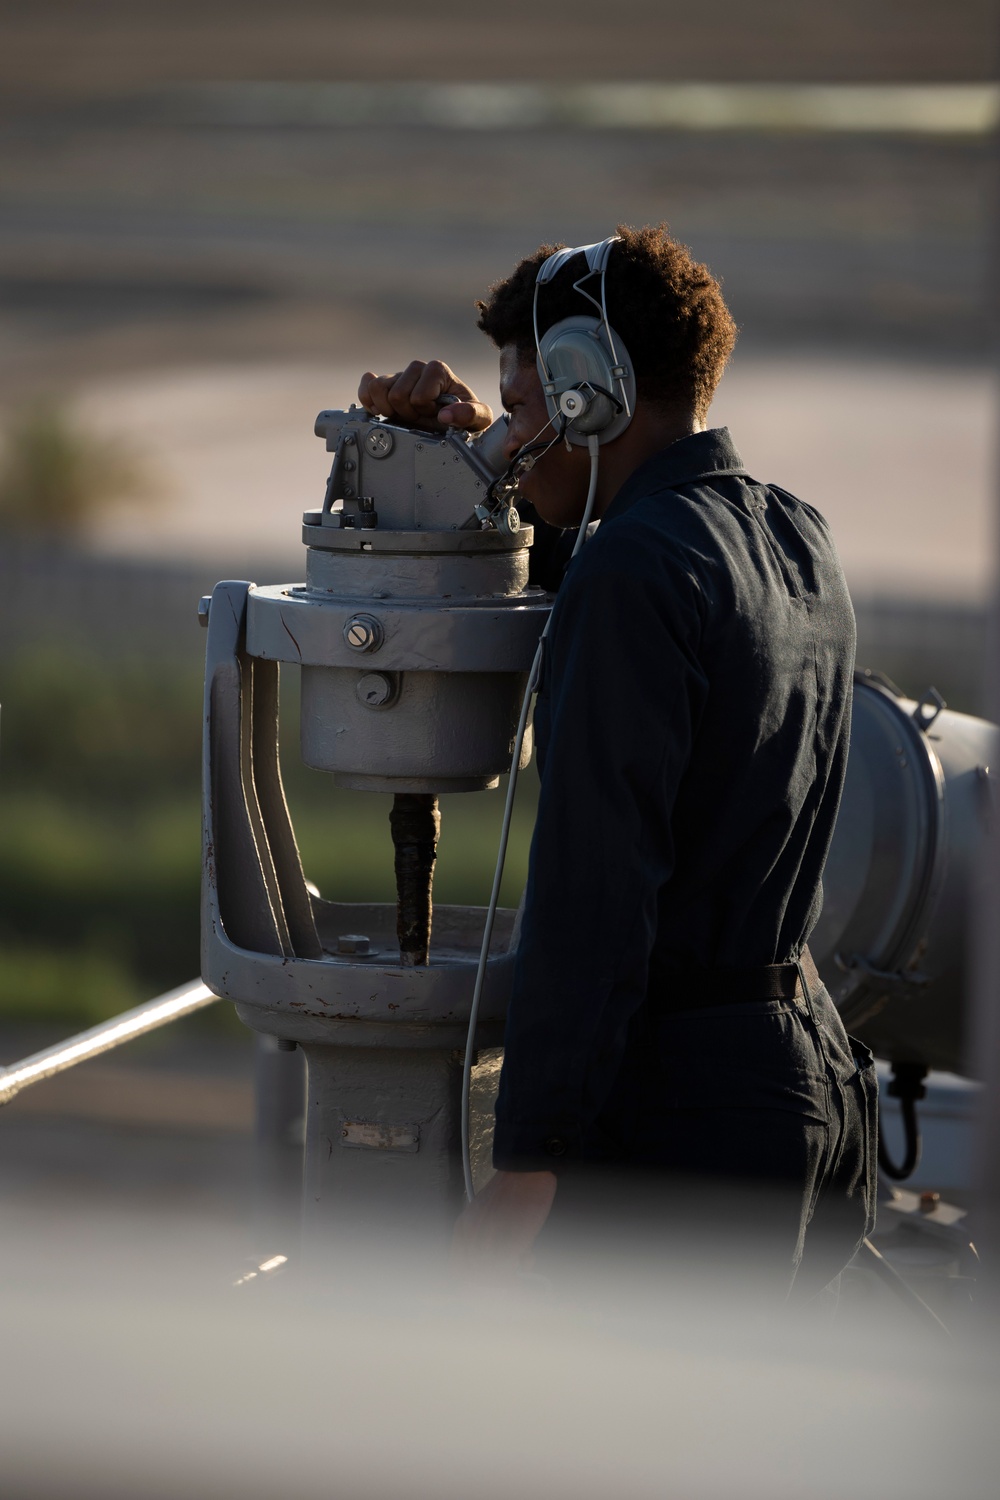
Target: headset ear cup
x,y
601,412
586,410
573,357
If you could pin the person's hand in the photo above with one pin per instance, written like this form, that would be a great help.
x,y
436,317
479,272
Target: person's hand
x,y
495,1234
426,394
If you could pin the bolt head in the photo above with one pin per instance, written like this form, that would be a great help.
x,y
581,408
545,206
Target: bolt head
x,y
363,633
375,689
353,942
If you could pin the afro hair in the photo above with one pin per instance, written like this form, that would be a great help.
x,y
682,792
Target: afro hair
x,y
666,307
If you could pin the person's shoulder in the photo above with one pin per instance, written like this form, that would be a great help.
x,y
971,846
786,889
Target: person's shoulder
x,y
639,543
632,566
668,528
797,507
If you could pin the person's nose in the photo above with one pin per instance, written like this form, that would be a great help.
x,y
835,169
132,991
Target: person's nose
x,y
513,442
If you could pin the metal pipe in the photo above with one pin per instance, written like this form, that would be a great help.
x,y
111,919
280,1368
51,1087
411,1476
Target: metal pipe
x,y
109,1034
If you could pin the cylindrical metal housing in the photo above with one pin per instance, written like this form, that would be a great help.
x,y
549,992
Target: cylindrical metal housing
x,y
439,731
424,575
431,704
891,943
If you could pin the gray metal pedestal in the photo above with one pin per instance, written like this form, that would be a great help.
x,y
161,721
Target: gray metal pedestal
x,y
383,1138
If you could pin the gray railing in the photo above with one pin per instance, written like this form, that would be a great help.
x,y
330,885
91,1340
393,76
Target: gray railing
x,y
103,1038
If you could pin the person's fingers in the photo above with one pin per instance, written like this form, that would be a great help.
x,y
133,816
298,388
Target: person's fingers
x,y
470,416
503,1222
407,392
426,394
373,393
457,403
365,385
433,379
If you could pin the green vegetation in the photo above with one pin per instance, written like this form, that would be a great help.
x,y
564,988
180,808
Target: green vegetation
x,y
55,474
100,831
100,828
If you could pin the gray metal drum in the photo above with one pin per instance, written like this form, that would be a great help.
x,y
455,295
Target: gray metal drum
x,y
411,731
899,882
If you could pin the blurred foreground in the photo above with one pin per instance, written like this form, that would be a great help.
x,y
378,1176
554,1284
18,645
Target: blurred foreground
x,y
134,1366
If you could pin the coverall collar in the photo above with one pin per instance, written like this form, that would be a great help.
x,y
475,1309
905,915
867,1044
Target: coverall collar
x,y
701,455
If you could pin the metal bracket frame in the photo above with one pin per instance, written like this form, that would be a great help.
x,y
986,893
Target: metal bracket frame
x,y
253,881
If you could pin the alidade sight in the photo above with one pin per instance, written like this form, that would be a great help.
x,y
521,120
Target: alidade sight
x,y
413,632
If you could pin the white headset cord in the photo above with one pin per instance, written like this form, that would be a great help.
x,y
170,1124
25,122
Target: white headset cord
x,y
593,446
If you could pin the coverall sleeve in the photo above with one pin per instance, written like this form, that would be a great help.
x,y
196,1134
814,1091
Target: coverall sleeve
x,y
621,693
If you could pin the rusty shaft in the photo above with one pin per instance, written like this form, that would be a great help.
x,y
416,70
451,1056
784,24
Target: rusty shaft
x,y
415,823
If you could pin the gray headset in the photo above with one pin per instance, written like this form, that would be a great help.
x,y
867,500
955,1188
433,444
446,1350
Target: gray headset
x,y
584,367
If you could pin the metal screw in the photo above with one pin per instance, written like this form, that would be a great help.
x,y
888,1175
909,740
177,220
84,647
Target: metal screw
x,y
363,633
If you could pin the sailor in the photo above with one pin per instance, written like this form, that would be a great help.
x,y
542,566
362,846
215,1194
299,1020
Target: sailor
x,y
669,1045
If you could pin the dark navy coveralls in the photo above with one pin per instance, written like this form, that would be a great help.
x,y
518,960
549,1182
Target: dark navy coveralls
x,y
692,728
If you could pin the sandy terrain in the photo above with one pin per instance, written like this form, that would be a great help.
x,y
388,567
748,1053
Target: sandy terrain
x,y
897,456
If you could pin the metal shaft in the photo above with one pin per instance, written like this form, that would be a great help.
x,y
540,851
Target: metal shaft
x,y
124,1028
415,823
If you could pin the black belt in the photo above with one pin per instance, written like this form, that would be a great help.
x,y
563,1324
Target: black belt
x,y
693,987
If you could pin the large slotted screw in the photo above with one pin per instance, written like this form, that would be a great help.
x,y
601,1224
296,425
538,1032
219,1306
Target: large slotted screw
x,y
363,633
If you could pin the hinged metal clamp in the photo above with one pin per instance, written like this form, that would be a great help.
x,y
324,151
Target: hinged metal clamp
x,y
928,709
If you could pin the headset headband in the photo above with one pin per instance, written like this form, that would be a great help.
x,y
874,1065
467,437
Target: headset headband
x,y
616,374
597,258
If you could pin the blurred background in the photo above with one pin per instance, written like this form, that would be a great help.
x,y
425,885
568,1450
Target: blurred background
x,y
214,217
